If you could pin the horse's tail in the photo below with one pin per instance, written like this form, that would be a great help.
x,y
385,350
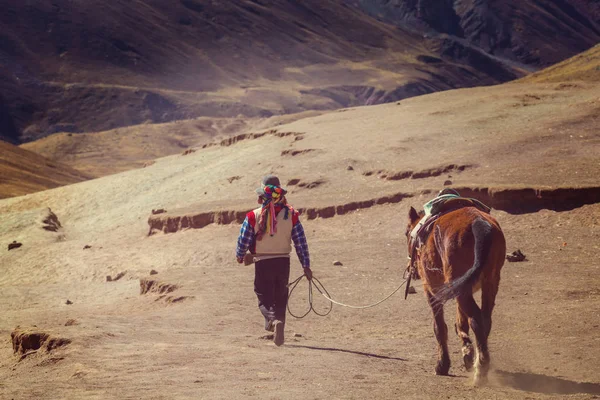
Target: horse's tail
x,y
482,232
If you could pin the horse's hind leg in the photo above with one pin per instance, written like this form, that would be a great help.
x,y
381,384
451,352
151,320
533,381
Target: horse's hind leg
x,y
489,291
462,330
470,308
441,334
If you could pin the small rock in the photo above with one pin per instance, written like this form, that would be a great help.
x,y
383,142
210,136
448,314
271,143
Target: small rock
x,y
350,168
68,302
298,335
159,211
153,272
337,263
71,322
116,277
412,290
447,183
87,246
14,245
516,256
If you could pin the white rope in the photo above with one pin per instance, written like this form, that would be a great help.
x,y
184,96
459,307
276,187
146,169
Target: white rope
x,y
356,307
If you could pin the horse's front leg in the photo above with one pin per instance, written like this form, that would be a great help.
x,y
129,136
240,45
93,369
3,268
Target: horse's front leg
x,y
441,334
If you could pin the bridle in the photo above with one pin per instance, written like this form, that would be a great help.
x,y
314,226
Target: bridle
x,y
410,271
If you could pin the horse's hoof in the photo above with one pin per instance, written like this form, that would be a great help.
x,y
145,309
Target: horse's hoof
x,y
442,368
468,361
468,356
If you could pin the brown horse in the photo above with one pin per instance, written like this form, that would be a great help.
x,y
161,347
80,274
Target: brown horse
x,y
463,253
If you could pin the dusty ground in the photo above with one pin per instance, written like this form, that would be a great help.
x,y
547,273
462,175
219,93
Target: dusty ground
x,y
202,340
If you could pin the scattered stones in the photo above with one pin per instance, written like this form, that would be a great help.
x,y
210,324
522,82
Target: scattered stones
x,y
427,173
153,272
115,278
188,151
158,211
27,341
154,286
51,222
14,245
516,256
174,299
87,246
312,185
71,322
337,263
412,290
68,302
296,152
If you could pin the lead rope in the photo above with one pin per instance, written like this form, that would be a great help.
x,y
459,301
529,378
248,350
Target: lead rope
x,y
321,289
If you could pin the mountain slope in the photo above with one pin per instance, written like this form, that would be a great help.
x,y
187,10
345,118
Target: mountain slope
x,y
538,33
582,67
524,146
23,172
73,67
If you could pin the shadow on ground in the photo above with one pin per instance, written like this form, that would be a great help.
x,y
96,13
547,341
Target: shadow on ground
x,y
544,384
360,353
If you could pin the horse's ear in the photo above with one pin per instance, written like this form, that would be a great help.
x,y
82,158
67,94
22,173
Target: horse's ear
x,y
413,215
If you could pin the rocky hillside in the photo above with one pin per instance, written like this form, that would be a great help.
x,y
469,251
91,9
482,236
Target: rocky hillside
x,y
582,67
536,33
81,67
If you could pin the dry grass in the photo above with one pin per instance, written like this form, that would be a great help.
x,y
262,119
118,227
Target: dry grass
x,y
582,67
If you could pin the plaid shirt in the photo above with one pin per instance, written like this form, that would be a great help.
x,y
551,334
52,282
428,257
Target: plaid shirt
x,y
246,240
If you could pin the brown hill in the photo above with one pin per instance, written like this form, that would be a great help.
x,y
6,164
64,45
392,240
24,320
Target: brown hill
x,y
69,68
23,172
530,150
582,67
537,33
121,149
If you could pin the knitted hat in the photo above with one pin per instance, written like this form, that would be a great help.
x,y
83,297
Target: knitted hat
x,y
269,180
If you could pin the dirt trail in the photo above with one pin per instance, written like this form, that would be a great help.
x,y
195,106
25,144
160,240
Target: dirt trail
x,y
195,332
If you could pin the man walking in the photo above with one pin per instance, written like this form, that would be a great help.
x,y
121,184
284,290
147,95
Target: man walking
x,y
268,232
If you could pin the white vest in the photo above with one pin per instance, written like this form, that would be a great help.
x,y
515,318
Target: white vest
x,y
281,242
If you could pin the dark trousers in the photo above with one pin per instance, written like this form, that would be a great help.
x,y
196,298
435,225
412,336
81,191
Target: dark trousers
x,y
270,285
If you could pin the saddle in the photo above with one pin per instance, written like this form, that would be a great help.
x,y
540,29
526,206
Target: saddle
x,y
447,200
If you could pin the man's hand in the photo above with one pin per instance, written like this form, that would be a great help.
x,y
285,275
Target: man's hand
x,y
240,260
308,273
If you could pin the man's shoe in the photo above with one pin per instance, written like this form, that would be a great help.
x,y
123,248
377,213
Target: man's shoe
x,y
278,338
270,326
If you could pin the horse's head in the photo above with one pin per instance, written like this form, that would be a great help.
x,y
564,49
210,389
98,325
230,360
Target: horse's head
x,y
413,218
